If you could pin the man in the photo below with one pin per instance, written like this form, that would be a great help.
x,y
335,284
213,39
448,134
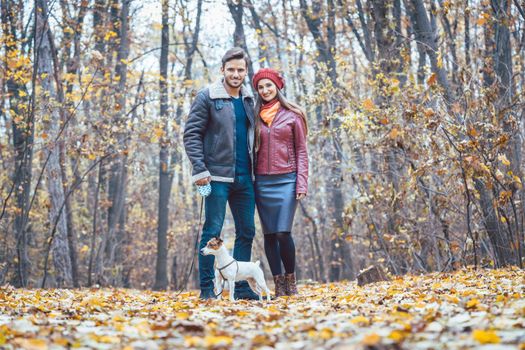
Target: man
x,y
218,139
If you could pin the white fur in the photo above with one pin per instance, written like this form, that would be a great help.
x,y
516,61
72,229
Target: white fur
x,y
249,271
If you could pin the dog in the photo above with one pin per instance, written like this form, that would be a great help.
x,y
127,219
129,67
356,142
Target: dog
x,y
229,270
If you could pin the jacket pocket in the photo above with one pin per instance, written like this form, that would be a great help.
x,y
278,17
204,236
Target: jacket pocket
x,y
211,152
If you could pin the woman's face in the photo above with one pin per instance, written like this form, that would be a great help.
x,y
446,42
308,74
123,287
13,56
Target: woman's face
x,y
266,89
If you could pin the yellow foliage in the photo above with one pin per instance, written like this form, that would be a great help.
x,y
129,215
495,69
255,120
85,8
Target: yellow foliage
x,y
360,320
371,339
369,105
486,337
217,340
31,344
503,159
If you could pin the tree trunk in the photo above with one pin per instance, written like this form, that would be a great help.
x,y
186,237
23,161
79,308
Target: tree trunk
x,y
239,39
263,47
60,246
23,137
111,254
161,270
333,153
427,36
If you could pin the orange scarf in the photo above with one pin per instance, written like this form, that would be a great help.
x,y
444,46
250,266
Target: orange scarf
x,y
269,111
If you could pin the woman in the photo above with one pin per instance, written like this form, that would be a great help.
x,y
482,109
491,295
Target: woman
x,y
281,173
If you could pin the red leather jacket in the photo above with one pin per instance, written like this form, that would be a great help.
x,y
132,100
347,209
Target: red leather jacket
x,y
282,148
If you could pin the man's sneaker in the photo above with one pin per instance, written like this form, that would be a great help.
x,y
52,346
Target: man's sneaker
x,y
246,294
207,294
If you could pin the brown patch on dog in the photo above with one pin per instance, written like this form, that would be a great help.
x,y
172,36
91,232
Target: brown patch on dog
x,y
214,243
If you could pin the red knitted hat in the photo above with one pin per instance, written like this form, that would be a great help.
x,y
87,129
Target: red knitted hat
x,y
269,73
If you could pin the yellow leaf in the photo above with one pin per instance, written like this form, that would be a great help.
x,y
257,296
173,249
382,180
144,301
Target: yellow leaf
x,y
159,132
397,336
108,339
503,159
368,104
393,133
192,341
472,303
371,339
182,315
517,180
31,344
211,340
485,337
326,333
84,249
109,35
360,320
61,341
482,19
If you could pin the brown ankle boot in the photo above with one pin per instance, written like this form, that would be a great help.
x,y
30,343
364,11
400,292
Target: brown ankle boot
x,y
279,285
290,286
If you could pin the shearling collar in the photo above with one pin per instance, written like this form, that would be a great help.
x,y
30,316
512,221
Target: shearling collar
x,y
217,91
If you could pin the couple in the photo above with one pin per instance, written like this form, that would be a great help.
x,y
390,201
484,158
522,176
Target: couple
x,y
228,140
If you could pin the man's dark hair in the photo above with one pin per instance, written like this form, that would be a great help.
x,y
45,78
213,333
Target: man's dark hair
x,y
235,53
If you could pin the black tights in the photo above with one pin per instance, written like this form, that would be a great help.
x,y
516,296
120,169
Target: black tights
x,y
280,247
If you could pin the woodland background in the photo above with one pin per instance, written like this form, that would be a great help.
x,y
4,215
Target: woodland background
x,y
415,113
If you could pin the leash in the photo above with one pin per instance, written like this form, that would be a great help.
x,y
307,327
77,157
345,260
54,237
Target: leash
x,y
195,248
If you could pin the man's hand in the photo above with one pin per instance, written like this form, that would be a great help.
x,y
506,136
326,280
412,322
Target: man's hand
x,y
203,181
300,196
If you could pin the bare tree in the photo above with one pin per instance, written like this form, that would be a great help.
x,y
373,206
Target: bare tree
x,y
23,138
165,175
51,120
239,39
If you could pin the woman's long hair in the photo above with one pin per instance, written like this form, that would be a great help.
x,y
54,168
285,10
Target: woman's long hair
x,y
292,106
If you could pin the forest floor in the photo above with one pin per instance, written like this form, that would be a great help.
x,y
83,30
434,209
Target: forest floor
x,y
468,309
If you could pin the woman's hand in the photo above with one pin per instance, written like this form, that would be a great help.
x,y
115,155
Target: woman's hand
x,y
300,196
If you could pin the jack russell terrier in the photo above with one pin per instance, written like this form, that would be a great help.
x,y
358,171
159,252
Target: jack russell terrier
x,y
230,270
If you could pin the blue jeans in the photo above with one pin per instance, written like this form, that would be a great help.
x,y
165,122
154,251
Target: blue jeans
x,y
241,198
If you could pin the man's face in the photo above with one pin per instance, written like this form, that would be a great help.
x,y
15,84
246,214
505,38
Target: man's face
x,y
234,72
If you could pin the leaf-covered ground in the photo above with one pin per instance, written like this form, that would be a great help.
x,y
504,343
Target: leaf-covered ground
x,y
470,309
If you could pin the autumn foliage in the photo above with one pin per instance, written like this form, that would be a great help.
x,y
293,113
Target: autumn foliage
x,y
466,309
415,113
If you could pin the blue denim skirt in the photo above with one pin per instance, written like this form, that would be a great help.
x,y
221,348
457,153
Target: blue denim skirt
x,y
276,203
